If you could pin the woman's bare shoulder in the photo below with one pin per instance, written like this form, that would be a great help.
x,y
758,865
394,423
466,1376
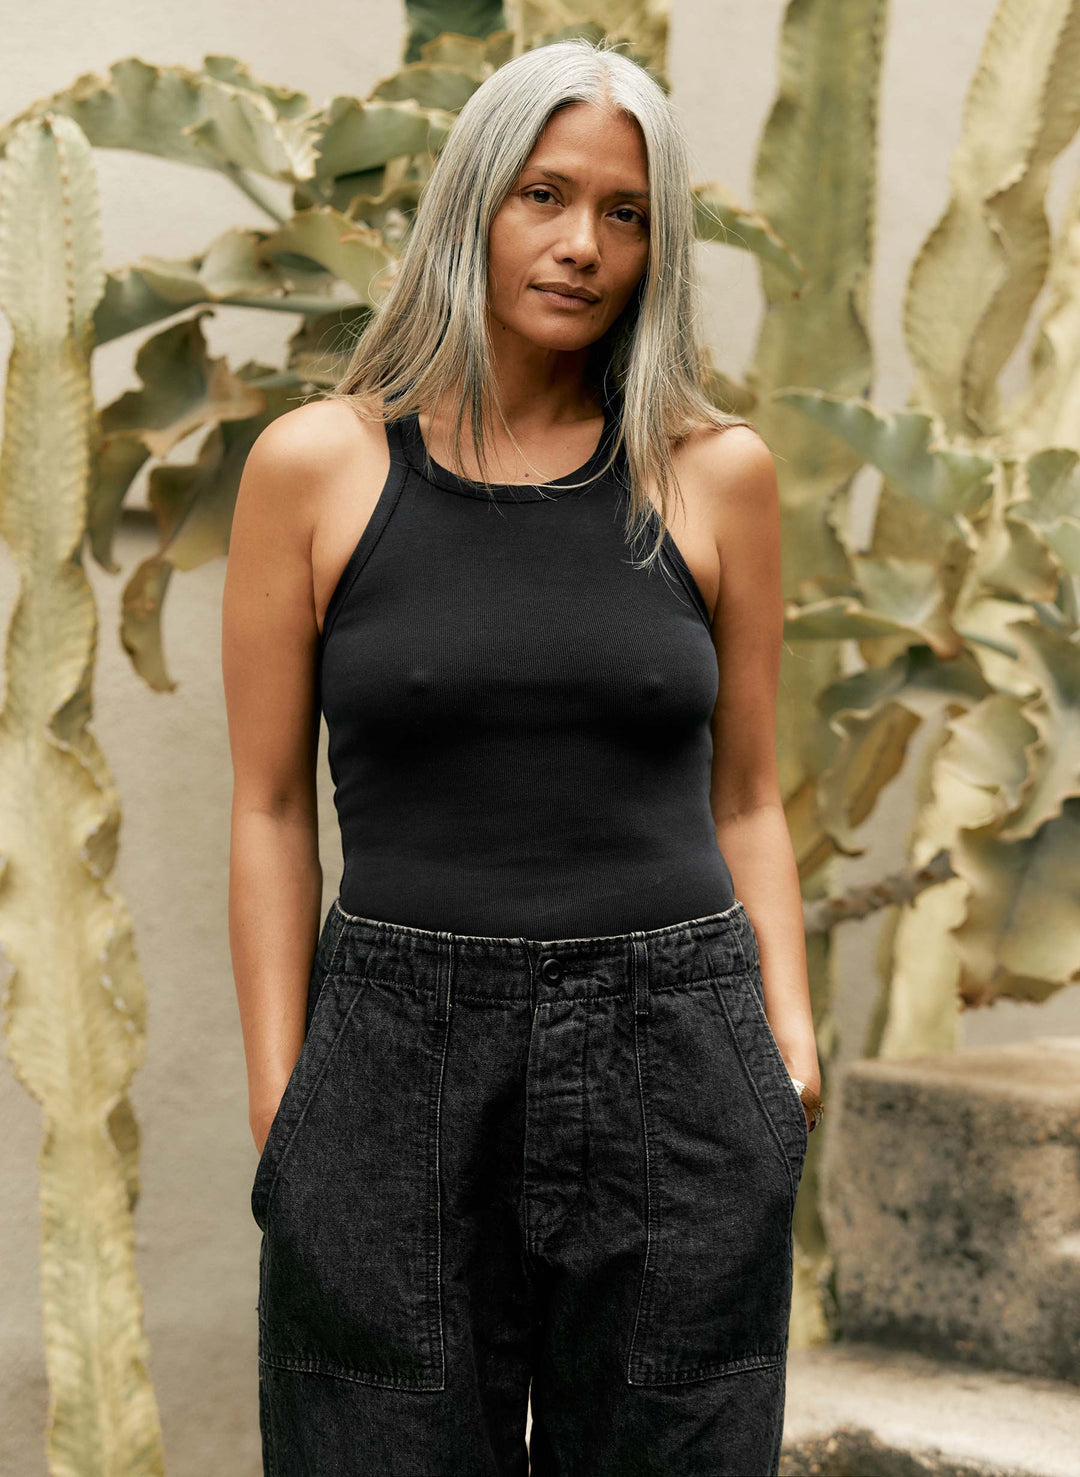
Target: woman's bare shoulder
x,y
318,431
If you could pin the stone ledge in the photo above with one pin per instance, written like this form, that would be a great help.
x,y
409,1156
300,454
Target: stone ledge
x,y
951,1201
857,1410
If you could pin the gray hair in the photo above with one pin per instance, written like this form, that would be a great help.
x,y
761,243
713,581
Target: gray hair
x,y
428,338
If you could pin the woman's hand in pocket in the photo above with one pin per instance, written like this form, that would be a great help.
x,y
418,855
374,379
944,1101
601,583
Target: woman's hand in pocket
x,y
261,1115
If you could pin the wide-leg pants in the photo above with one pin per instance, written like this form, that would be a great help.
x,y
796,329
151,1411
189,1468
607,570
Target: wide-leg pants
x,y
510,1173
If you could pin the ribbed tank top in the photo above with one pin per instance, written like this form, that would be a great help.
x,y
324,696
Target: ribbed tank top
x,y
518,720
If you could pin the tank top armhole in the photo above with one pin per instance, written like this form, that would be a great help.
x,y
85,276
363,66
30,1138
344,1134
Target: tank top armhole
x,y
373,531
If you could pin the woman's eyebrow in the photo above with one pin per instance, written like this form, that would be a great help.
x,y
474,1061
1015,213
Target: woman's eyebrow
x,y
568,180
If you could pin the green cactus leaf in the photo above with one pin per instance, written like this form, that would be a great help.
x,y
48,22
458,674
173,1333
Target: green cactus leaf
x,y
285,101
719,217
814,182
230,123
903,597
237,270
431,86
349,250
947,480
160,111
359,136
462,19
243,129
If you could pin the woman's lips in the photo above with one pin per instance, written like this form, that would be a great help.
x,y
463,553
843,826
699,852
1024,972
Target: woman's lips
x,y
561,300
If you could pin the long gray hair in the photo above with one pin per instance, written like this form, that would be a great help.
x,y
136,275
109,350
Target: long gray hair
x,y
428,339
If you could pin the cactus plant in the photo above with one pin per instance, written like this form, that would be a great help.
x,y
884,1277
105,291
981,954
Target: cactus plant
x,y
75,1005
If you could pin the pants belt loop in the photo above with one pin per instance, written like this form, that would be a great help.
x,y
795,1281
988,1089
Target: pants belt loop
x,y
639,966
445,975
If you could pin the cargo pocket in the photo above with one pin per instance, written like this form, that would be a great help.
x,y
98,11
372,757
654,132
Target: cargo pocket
x,y
350,1283
318,1042
715,1293
779,1094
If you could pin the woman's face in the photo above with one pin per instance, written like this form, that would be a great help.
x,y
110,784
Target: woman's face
x,y
578,214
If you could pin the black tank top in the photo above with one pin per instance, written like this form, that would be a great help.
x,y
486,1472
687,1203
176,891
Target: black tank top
x,y
518,720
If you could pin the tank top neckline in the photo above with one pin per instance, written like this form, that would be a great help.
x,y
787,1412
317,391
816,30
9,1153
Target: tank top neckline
x,y
414,448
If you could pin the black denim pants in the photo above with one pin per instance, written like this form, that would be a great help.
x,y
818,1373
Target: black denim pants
x,y
499,1161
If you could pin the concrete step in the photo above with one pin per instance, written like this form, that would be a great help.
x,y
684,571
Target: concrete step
x,y
861,1410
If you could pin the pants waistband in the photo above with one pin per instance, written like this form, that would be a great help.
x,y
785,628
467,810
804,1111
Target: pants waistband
x,y
541,971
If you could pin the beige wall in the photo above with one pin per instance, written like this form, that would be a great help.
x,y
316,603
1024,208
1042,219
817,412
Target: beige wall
x,y
197,1244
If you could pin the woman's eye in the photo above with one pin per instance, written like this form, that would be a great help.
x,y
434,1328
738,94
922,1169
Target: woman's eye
x,y
636,217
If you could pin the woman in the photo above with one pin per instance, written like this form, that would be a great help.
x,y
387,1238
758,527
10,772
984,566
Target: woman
x,y
528,1113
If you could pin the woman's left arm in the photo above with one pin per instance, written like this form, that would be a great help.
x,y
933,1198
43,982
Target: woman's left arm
x,y
747,806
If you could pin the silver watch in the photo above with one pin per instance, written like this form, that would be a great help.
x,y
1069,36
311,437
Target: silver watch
x,y
809,1099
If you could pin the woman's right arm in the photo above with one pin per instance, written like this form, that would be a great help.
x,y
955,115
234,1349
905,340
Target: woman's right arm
x,y
268,647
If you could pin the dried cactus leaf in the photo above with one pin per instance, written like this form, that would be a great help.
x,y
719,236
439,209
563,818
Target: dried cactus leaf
x,y
74,1012
1047,411
194,506
1020,936
871,754
978,772
183,389
719,217
1052,507
868,720
986,621
320,349
641,26
905,528
1013,560
478,55
921,1009
812,845
1053,662
976,276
